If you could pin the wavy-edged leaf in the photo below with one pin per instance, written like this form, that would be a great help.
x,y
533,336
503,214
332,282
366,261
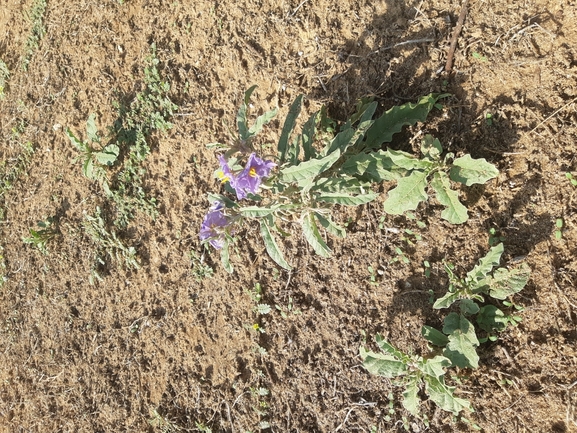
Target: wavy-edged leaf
x,y
444,396
409,162
461,348
393,120
108,155
409,192
505,283
447,300
387,347
91,129
347,199
411,396
330,226
241,121
455,212
271,246
434,336
431,147
288,127
469,171
491,319
346,184
486,264
382,365
308,170
313,236
374,167
434,367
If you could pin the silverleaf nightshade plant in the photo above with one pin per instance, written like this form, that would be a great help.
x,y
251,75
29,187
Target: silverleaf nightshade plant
x,y
314,170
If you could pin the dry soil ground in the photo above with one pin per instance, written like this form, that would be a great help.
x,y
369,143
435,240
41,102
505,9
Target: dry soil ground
x,y
168,348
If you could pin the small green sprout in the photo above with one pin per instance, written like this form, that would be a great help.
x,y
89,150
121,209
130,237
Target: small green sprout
x,y
559,228
39,238
571,179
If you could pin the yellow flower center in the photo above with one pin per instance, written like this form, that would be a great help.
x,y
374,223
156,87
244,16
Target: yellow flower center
x,y
252,172
222,177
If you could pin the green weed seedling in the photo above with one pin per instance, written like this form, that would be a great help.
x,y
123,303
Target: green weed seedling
x,y
559,229
494,237
35,16
39,238
162,423
458,336
413,373
571,179
109,245
200,270
94,160
289,309
4,76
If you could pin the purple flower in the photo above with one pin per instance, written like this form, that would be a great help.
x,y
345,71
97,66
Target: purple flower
x,y
213,226
225,174
251,177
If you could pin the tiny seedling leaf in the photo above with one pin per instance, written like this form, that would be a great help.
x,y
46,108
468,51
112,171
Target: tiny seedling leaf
x,y
469,171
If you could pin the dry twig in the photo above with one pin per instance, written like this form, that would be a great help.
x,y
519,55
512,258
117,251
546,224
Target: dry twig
x,y
456,33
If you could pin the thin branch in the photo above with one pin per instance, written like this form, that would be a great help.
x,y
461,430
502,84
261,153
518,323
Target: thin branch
x,y
456,33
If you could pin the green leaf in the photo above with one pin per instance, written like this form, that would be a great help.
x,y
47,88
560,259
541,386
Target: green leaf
x,y
313,236
461,348
444,396
389,348
340,143
491,319
342,184
505,282
486,264
431,147
434,336
407,161
408,193
469,171
454,211
241,115
330,226
410,396
91,129
468,307
393,120
225,258
308,137
261,121
76,142
375,167
256,211
447,300
346,199
382,365
108,155
271,245
308,170
434,367
288,127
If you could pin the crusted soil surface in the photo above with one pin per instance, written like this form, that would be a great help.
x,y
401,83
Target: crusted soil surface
x,y
169,347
